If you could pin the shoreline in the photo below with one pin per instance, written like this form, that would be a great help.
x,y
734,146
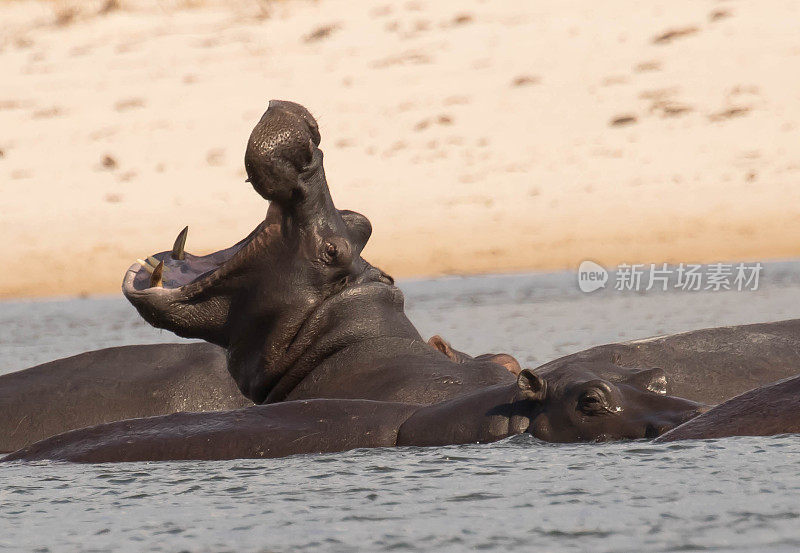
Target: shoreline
x,y
666,132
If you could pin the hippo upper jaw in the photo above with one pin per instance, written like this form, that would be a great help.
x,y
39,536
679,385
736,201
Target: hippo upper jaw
x,y
188,294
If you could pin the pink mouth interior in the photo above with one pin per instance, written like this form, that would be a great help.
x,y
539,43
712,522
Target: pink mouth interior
x,y
180,272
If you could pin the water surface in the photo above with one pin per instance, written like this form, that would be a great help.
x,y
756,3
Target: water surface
x,y
739,494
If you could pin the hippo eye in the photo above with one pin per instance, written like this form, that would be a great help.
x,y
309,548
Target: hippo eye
x,y
331,250
336,250
593,402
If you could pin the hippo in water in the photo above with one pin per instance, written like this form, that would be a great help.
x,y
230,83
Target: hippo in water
x,y
606,403
128,382
299,312
709,365
113,384
123,382
138,381
766,411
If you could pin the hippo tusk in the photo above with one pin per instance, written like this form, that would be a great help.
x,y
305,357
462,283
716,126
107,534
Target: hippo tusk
x,y
180,243
155,277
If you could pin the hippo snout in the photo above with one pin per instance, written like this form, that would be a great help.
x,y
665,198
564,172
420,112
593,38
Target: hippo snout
x,y
281,147
300,112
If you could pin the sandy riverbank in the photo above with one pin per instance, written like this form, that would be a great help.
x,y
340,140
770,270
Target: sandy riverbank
x,y
477,136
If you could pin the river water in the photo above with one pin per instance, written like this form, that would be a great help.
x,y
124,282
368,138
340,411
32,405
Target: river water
x,y
737,494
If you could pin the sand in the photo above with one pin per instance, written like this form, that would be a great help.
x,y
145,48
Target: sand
x,y
477,136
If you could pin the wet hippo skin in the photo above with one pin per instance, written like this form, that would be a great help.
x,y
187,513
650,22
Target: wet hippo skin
x,y
766,411
124,382
113,384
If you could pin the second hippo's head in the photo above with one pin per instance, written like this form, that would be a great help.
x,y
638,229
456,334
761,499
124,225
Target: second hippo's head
x,y
599,402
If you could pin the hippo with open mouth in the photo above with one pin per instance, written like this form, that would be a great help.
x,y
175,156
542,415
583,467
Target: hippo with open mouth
x,y
299,312
123,382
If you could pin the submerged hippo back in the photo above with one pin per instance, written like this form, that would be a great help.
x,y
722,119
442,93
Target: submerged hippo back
x,y
715,364
766,411
113,384
709,365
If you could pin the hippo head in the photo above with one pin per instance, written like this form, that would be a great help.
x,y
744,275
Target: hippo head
x,y
600,402
255,297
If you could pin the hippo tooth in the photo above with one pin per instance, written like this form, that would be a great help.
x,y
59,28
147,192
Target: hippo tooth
x,y
180,242
155,277
145,265
153,261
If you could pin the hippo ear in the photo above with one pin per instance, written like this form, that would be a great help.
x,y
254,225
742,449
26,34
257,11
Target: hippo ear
x,y
653,379
358,226
444,346
503,359
533,387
